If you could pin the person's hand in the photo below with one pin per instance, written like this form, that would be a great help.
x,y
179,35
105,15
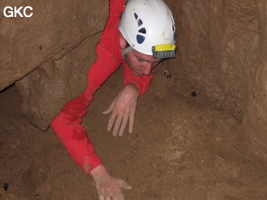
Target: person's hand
x,y
123,109
108,187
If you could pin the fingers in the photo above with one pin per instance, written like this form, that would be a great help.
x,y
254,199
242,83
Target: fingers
x,y
117,126
111,121
119,196
126,186
120,125
110,194
123,125
110,108
131,122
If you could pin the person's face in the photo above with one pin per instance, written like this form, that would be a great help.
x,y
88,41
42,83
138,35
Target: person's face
x,y
141,64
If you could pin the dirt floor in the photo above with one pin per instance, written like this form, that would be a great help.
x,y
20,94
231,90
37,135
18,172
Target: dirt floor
x,y
182,148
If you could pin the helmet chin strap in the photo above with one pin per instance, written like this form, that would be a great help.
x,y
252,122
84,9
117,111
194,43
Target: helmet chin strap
x,y
126,50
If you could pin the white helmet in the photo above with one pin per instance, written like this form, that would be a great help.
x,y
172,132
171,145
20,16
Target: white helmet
x,y
148,27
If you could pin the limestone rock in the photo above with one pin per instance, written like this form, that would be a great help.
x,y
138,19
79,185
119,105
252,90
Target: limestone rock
x,y
222,51
54,29
49,87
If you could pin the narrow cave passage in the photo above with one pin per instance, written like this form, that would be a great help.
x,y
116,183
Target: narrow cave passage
x,y
200,129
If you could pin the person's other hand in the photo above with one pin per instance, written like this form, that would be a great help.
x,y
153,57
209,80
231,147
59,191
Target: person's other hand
x,y
108,187
123,110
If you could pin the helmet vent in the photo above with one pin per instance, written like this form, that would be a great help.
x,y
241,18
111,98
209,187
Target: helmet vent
x,y
135,16
140,38
139,22
142,30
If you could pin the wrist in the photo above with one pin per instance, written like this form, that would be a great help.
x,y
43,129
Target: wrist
x,y
100,170
133,88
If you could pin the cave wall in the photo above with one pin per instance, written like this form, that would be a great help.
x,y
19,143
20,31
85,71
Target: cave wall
x,y
221,53
218,43
52,84
255,117
49,54
55,28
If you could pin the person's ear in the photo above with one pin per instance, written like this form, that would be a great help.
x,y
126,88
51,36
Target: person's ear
x,y
122,41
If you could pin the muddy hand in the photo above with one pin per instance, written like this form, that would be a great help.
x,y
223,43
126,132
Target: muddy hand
x,y
108,187
122,110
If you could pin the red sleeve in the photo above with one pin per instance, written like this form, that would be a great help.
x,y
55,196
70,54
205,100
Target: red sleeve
x,y
68,124
116,7
141,82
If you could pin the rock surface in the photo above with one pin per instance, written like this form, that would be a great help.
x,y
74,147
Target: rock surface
x,y
52,57
47,89
223,56
55,28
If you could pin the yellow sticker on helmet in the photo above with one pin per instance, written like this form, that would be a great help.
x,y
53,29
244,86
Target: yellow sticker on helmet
x,y
163,47
162,51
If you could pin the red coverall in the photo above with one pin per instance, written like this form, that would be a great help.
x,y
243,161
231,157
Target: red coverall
x,y
68,124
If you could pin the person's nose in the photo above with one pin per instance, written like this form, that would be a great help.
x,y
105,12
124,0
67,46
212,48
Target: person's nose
x,y
147,68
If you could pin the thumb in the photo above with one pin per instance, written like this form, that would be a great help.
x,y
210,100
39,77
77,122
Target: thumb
x,y
126,186
110,108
